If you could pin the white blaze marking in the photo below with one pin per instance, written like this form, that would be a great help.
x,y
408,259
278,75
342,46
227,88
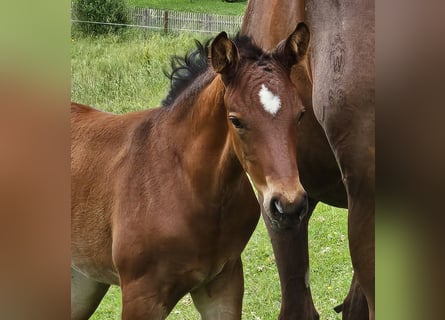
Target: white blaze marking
x,y
271,103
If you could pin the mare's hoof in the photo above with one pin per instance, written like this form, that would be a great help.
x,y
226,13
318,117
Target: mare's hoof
x,y
338,308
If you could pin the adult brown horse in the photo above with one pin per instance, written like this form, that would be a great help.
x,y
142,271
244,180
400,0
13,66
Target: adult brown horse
x,y
339,129
161,204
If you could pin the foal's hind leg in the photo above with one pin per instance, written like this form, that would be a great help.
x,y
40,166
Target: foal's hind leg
x,y
221,299
86,295
291,252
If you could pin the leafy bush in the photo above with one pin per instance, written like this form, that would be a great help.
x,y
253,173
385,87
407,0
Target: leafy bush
x,y
108,11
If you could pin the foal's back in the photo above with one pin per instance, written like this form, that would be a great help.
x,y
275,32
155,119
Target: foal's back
x,y
100,147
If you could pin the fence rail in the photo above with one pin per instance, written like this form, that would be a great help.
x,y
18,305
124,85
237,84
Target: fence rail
x,y
179,21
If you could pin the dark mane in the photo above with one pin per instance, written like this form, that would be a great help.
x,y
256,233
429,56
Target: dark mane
x,y
186,69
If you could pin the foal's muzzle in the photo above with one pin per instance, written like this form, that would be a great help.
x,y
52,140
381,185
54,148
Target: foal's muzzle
x,y
284,213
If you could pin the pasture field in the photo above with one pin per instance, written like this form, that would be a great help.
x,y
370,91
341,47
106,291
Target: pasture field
x,y
124,73
206,6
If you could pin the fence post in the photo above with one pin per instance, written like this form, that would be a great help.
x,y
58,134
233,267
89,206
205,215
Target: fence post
x,y
165,21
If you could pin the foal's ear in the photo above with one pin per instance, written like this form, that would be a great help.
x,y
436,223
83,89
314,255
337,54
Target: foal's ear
x,y
224,55
294,48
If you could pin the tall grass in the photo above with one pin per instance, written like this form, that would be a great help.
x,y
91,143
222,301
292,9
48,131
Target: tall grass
x,y
121,74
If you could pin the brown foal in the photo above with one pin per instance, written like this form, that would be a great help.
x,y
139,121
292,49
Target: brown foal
x,y
161,204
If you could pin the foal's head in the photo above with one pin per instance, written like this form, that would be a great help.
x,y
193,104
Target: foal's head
x,y
264,108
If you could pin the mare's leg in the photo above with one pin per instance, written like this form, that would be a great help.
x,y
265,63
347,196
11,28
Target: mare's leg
x,y
86,295
355,306
290,248
222,297
361,244
349,126
358,176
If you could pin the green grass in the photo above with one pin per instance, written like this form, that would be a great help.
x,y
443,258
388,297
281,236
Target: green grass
x,y
122,74
206,6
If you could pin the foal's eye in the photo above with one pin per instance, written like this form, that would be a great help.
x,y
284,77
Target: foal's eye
x,y
300,116
236,122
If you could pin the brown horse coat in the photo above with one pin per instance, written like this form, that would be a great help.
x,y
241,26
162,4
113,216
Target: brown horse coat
x,y
161,204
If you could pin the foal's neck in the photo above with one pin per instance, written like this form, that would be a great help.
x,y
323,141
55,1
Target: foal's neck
x,y
207,151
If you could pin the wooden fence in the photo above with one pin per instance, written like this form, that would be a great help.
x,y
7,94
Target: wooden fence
x,y
175,21
184,21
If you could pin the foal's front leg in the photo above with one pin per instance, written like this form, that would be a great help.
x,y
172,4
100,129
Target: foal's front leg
x,y
142,300
221,299
151,295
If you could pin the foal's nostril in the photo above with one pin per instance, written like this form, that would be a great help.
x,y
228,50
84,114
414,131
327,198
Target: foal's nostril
x,y
286,214
278,206
294,208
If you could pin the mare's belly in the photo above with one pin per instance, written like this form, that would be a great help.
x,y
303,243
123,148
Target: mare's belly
x,y
343,62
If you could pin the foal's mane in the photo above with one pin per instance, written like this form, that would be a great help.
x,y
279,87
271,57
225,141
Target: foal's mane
x,y
186,69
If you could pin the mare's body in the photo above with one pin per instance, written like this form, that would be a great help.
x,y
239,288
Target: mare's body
x,y
336,140
161,204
